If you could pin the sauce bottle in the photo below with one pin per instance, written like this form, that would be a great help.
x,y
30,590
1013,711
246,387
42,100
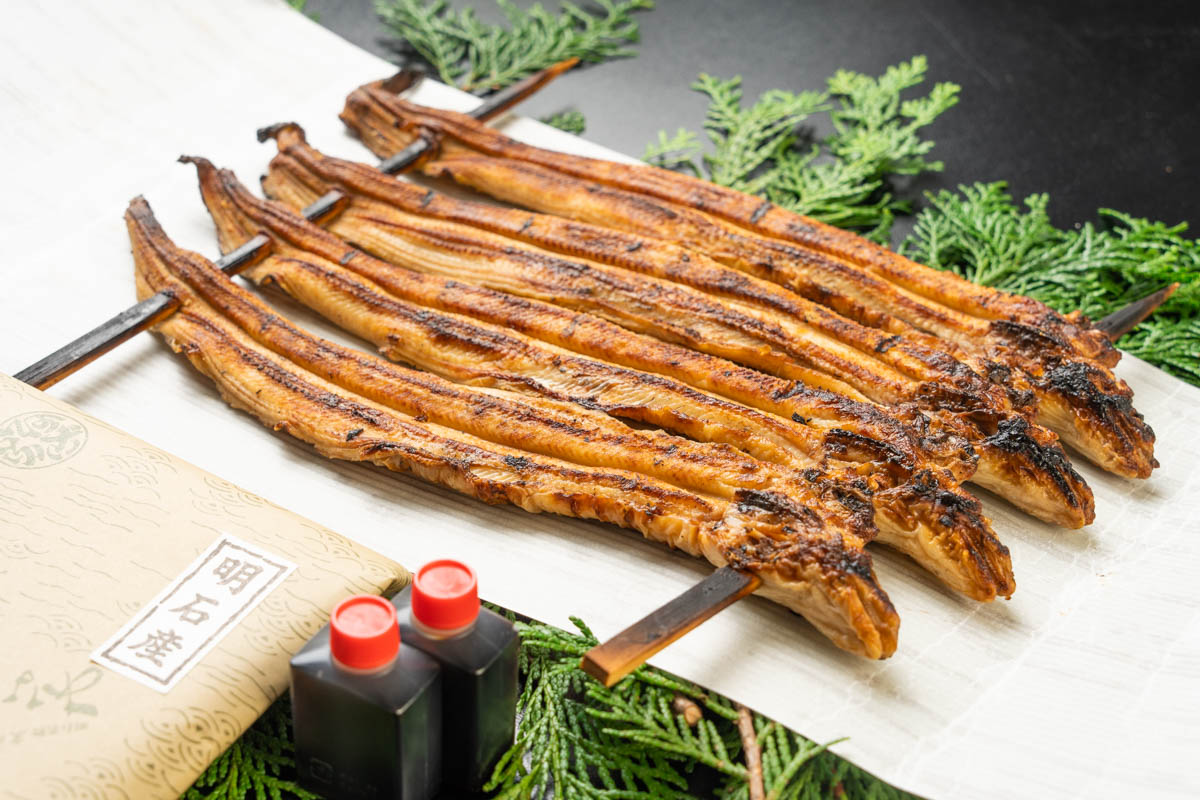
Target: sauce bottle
x,y
477,649
366,708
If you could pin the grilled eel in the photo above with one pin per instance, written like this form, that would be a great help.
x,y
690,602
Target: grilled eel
x,y
805,563
373,104
803,422
1077,397
1062,360
940,526
424,230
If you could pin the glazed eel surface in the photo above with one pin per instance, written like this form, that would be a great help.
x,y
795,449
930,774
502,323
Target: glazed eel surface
x,y
1061,363
807,562
423,230
437,325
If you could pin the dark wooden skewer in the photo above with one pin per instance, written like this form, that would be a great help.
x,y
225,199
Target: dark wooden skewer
x,y
1123,320
629,649
153,310
491,107
124,326
612,660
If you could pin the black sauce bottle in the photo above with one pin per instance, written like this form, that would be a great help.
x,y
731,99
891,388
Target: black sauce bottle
x,y
366,709
477,649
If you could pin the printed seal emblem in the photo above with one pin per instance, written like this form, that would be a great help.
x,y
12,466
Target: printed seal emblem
x,y
40,439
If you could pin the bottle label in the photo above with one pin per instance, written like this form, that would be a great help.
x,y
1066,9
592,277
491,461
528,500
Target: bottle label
x,y
173,632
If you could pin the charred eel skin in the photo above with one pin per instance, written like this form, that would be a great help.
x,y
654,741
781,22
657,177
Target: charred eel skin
x,y
1063,361
942,527
820,573
386,217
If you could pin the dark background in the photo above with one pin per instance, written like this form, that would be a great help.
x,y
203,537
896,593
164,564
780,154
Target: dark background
x,y
1096,103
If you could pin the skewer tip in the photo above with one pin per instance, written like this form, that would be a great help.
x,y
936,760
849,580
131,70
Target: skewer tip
x,y
1123,320
598,672
563,66
506,98
612,660
402,80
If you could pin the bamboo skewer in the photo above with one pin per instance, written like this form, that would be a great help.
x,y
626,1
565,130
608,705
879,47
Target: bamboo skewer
x,y
629,649
494,105
153,310
1125,319
124,326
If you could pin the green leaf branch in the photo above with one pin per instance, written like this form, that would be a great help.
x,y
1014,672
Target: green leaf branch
x,y
844,178
474,55
578,740
259,765
571,121
1096,268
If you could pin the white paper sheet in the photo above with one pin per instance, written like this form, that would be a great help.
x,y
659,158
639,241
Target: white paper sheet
x,y
1083,685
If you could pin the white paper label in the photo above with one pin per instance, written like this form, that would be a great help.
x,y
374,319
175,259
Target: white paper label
x,y
174,631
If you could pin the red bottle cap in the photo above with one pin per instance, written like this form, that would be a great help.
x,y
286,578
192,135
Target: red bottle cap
x,y
445,595
363,633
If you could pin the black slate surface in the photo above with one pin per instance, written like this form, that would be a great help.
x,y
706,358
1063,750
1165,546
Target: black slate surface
x,y
1097,103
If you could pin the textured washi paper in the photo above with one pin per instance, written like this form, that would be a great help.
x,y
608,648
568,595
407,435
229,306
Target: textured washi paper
x,y
102,533
1083,685
193,613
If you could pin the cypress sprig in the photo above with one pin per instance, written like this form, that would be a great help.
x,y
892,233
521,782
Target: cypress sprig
x,y
677,152
578,739
643,716
874,126
843,179
474,55
562,748
571,121
983,235
748,140
259,765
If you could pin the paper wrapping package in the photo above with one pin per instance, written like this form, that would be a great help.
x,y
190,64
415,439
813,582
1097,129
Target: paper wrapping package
x,y
93,523
1083,685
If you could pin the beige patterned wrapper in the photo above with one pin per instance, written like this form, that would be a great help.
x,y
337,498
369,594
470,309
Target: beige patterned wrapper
x,y
93,524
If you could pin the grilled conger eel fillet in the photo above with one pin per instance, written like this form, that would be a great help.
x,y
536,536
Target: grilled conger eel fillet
x,y
405,313
793,338
1059,364
811,563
